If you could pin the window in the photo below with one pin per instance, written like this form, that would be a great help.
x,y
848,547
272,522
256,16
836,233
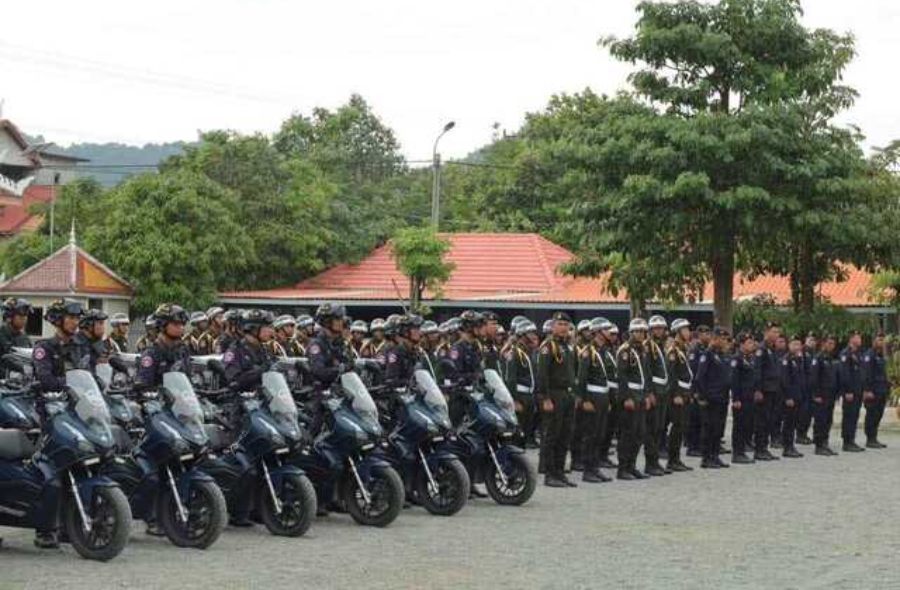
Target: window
x,y
35,324
95,304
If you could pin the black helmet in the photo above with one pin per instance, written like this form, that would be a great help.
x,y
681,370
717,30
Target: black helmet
x,y
14,306
408,322
256,318
60,308
469,319
232,316
328,312
92,315
489,316
168,313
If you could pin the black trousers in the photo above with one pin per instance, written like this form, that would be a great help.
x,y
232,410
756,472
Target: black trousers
x,y
556,434
594,431
632,425
715,415
874,414
525,410
742,431
656,422
578,434
850,418
775,404
612,427
823,419
677,416
694,436
761,412
789,418
805,416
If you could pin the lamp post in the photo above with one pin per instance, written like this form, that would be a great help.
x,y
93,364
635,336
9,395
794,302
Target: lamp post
x,y
436,178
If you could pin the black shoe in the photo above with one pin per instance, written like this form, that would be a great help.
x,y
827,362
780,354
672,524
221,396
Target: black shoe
x,y
569,482
709,464
475,492
638,474
694,453
593,477
625,475
802,439
791,453
722,464
741,459
241,523
664,454
46,540
577,465
532,444
832,452
608,463
654,470
874,444
154,530
852,447
554,482
761,456
822,452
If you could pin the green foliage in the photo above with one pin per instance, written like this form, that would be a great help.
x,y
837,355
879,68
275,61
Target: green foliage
x,y
826,318
419,254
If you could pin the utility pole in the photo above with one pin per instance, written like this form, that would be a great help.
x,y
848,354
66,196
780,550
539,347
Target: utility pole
x,y
436,179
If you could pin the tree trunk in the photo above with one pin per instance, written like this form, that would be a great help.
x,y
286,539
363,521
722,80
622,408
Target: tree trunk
x,y
638,307
413,294
722,267
807,280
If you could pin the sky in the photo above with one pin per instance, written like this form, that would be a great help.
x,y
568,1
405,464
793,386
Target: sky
x,y
139,72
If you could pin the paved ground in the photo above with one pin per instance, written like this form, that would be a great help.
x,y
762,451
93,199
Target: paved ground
x,y
815,523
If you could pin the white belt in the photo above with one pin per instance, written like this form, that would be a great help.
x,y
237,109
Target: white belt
x,y
399,389
469,388
613,385
660,381
597,389
684,384
524,388
448,382
636,386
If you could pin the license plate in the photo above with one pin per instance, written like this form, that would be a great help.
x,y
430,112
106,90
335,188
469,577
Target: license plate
x,y
187,457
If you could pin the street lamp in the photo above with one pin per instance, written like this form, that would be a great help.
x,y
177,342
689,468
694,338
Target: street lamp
x,y
436,178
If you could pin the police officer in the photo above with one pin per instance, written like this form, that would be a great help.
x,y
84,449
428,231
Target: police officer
x,y
358,332
167,354
51,359
768,365
520,372
681,382
149,336
594,397
374,348
12,333
231,332
556,368
490,352
804,417
633,369
194,340
659,395
303,332
282,344
608,351
851,383
215,325
793,384
695,415
744,386
118,337
713,385
876,387
465,359
583,337
327,351
90,339
825,392
404,356
248,357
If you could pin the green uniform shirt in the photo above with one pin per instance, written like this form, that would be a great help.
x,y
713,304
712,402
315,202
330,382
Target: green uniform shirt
x,y
633,366
556,368
659,367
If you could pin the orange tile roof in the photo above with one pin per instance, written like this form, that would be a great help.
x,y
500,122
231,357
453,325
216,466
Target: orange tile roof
x,y
14,213
508,268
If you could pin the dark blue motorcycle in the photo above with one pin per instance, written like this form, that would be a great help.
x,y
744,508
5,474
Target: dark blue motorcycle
x,y
346,462
421,448
58,481
485,443
161,475
252,471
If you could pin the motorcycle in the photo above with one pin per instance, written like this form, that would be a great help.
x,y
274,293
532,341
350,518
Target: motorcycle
x,y
252,471
420,448
485,443
58,479
161,476
127,422
346,461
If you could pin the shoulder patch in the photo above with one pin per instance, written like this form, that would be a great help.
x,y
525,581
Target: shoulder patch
x,y
454,353
229,356
146,361
392,358
508,355
314,348
692,356
39,353
815,362
868,359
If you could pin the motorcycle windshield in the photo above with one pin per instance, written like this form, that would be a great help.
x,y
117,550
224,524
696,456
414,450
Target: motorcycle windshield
x,y
184,403
362,401
278,394
90,406
105,374
431,393
499,391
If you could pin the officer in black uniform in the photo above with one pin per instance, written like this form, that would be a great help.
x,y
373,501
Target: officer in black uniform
x,y
51,359
876,388
608,351
404,356
594,397
768,364
231,332
168,353
149,336
659,396
89,338
520,372
713,385
12,333
695,415
249,357
825,392
556,368
744,386
805,416
465,359
327,354
194,339
793,385
851,384
681,383
490,352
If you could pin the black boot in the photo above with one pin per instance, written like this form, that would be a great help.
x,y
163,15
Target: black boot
x,y
607,463
791,452
741,459
154,530
577,465
802,439
46,540
625,475
552,481
652,468
873,443
822,451
852,447
568,481
592,476
709,464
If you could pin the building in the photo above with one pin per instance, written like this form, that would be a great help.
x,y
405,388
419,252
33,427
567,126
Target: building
x,y
29,175
69,272
510,274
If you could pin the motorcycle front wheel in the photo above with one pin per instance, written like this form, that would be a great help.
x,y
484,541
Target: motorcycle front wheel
x,y
298,506
452,488
521,481
206,511
110,517
386,496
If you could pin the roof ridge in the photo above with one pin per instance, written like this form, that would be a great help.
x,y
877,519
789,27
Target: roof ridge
x,y
34,267
549,273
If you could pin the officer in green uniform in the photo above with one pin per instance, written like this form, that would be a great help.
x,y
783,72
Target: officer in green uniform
x,y
659,395
490,352
608,352
556,383
518,357
633,363
681,378
593,393
149,337
118,338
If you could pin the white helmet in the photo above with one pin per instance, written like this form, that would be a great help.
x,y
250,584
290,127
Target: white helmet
x,y
638,325
584,325
658,321
678,324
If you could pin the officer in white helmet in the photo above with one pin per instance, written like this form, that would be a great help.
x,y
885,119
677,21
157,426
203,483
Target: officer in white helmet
x,y
633,366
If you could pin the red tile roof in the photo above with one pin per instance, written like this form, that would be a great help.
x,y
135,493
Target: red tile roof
x,y
69,270
14,216
514,268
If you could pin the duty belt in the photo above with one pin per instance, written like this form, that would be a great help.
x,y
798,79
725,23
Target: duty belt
x,y
521,388
660,381
636,386
684,384
597,388
613,385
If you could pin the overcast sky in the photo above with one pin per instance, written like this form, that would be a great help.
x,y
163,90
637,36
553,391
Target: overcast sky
x,y
140,72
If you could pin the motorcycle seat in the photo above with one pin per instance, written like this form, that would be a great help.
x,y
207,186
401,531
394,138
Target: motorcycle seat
x,y
15,445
